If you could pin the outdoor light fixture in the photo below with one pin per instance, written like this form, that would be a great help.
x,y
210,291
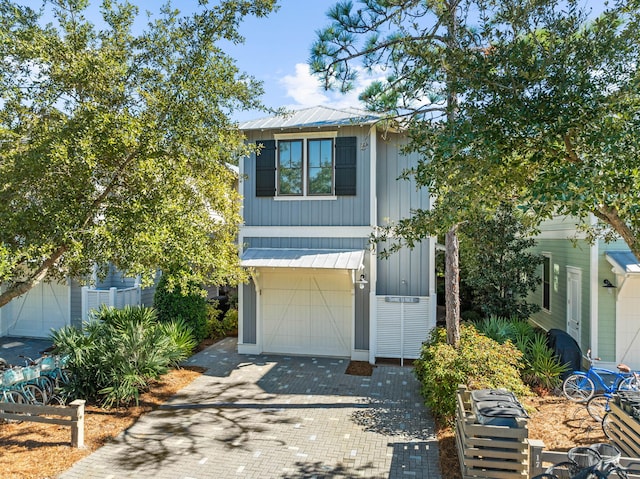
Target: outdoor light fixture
x,y
362,281
607,284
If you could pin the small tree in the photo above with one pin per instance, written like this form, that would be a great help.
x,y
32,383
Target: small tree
x,y
500,268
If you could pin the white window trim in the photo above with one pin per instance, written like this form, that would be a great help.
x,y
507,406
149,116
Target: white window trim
x,y
548,255
305,196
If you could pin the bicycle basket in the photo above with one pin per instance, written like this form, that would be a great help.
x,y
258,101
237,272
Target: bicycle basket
x,y
63,360
48,363
608,453
12,376
31,372
584,457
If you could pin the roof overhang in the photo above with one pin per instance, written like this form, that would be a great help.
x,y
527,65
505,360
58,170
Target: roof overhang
x,y
623,262
303,258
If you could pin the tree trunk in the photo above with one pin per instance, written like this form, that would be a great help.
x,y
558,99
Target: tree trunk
x,y
452,286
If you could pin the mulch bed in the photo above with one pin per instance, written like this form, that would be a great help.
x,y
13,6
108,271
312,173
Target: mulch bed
x,y
359,368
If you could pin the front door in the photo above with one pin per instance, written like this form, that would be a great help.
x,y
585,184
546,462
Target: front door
x,y
574,302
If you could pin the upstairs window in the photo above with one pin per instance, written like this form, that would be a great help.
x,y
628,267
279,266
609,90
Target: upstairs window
x,y
313,166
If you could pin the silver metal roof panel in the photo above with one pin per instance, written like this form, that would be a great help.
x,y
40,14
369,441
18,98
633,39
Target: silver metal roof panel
x,y
623,261
318,116
302,258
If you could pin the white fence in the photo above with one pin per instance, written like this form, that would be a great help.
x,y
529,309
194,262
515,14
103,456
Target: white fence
x,y
118,298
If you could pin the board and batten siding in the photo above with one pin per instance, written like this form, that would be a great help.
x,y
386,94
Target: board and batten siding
x,y
249,333
338,211
407,271
564,253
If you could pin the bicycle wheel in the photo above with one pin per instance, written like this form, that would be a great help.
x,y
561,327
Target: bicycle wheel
x,y
598,406
578,388
629,384
607,426
34,394
46,384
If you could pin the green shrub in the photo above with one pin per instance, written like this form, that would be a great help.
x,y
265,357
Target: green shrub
x,y
230,321
220,328
120,352
173,302
214,325
479,362
542,368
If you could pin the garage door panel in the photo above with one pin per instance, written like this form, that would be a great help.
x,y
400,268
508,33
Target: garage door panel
x,y
305,313
44,307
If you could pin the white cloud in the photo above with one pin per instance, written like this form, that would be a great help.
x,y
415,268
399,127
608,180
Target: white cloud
x,y
306,90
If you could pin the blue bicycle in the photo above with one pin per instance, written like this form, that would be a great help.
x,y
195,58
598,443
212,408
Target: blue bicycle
x,y
580,386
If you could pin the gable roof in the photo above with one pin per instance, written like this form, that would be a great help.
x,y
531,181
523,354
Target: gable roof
x,y
317,116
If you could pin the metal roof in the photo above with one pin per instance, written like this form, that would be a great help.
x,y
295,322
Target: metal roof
x,y
317,116
623,261
302,258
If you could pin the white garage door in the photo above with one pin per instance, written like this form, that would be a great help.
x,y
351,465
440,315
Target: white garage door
x,y
307,312
627,324
34,314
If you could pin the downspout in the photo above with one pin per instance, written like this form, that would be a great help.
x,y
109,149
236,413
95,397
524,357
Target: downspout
x,y
240,250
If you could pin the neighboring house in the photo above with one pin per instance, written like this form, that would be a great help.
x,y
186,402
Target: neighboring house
x,y
592,291
51,306
322,183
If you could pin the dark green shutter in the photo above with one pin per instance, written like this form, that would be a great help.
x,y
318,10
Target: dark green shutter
x,y
346,149
266,168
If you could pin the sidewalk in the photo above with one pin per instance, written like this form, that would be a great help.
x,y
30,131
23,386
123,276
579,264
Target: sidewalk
x,y
277,417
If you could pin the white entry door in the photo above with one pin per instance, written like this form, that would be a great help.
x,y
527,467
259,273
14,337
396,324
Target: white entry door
x,y
35,314
574,302
307,312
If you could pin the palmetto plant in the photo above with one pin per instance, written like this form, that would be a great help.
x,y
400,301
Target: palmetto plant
x,y
119,352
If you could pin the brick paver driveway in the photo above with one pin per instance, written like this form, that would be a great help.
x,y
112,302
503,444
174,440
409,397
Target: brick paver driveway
x,y
277,417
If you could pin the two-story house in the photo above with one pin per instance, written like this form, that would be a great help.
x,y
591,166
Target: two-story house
x,y
323,180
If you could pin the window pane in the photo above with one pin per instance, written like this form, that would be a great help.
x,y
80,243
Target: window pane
x,y
320,163
546,283
290,167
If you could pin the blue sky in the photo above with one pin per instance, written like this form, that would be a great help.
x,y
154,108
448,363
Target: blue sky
x,y
276,51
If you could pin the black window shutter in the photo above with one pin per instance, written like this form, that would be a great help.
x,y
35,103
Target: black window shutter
x,y
346,149
266,168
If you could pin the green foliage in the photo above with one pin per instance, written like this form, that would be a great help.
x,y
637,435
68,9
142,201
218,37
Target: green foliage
x,y
115,141
120,352
175,302
222,327
499,267
479,362
516,111
541,367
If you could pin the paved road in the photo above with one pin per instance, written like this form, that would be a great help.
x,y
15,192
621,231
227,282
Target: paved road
x,y
277,417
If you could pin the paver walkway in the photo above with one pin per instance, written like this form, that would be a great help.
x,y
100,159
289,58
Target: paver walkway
x,y
277,417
